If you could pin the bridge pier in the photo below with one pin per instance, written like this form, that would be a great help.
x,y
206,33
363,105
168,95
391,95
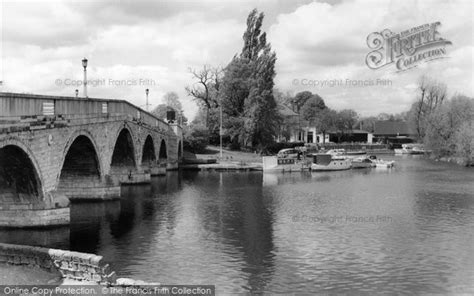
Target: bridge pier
x,y
27,211
156,169
90,191
129,176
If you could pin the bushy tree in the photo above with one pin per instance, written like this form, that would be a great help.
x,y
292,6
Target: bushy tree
x,y
171,103
431,95
312,107
447,128
326,121
247,96
196,138
344,121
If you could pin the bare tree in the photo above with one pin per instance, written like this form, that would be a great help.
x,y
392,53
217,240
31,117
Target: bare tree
x,y
431,96
206,88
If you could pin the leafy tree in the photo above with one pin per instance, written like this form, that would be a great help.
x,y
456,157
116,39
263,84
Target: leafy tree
x,y
326,121
171,103
171,99
160,111
247,94
447,128
312,107
367,123
344,122
300,99
196,138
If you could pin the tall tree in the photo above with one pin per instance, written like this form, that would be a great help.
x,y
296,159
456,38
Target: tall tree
x,y
248,100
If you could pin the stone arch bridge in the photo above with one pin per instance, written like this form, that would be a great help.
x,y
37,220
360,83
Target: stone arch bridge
x,y
54,150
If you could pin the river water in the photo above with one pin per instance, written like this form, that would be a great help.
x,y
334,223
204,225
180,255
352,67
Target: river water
x,y
403,230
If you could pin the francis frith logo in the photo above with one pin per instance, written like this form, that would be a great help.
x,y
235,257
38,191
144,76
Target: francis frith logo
x,y
406,49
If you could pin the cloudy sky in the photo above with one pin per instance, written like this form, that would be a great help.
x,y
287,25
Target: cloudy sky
x,y
152,44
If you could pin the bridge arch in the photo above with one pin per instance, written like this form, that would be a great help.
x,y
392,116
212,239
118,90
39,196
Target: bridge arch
x,y
148,152
163,156
20,178
123,154
81,162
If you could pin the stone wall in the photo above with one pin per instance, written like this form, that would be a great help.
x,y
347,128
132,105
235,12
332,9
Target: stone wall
x,y
70,265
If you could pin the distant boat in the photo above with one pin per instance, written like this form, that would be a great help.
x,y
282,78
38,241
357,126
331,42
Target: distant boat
x,y
379,163
358,152
343,152
336,152
362,163
329,162
411,149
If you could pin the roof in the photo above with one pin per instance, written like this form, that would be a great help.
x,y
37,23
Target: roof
x,y
354,131
286,111
385,128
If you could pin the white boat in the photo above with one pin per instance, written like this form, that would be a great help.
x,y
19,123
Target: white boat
x,y
379,163
328,162
362,163
410,149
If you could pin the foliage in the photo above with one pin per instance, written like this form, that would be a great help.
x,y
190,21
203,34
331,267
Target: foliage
x,y
431,95
312,107
448,129
326,121
196,139
171,103
171,99
206,92
160,111
251,116
300,99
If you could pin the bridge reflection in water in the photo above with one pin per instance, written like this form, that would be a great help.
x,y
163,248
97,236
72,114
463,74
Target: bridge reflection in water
x,y
291,233
57,149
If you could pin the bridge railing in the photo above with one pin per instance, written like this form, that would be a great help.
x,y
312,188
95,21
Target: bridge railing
x,y
14,106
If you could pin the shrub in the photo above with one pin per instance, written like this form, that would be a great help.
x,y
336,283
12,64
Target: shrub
x,y
196,139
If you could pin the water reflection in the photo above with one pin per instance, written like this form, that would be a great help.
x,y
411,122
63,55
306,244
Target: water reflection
x,y
400,230
57,237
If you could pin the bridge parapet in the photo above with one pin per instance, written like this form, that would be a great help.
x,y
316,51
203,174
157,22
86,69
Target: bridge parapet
x,y
16,107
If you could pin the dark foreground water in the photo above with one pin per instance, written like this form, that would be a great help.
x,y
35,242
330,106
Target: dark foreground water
x,y
406,230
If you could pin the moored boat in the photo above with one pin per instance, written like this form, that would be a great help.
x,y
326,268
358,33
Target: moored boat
x,y
276,164
410,149
362,162
328,162
379,163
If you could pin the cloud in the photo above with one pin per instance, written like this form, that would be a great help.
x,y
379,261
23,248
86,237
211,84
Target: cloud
x,y
321,41
160,40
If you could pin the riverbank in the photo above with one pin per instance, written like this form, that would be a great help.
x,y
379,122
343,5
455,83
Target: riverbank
x,y
236,160
454,159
